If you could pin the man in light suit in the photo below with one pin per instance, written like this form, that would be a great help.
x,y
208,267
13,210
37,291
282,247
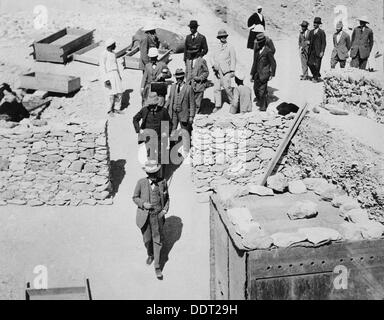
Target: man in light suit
x,y
342,45
317,45
263,70
362,44
152,200
304,48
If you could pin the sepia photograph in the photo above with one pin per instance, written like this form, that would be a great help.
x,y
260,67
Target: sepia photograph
x,y
192,155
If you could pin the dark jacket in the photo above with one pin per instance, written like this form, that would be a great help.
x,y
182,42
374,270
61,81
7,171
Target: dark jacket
x,y
201,71
254,19
200,43
187,102
362,42
264,65
147,42
143,114
152,75
268,43
317,43
342,47
142,195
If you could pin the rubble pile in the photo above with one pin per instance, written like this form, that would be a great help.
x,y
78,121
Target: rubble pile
x,y
230,150
56,164
355,91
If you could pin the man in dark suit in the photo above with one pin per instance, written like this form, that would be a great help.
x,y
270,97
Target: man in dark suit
x,y
304,48
263,70
268,41
152,200
181,107
362,44
317,45
256,19
195,40
342,45
155,128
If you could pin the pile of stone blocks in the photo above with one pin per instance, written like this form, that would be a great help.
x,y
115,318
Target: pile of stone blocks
x,y
234,149
55,164
355,91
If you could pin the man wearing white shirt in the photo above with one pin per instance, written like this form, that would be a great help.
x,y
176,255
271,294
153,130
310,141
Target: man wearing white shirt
x,y
342,45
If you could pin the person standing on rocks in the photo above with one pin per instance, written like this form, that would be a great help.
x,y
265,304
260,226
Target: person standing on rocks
x,y
224,66
342,45
362,44
152,199
150,40
255,20
111,77
195,41
268,41
242,95
263,70
155,71
304,49
197,73
317,45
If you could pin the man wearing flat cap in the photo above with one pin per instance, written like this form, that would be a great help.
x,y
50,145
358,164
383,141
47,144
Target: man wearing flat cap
x,y
304,49
341,47
263,70
195,40
362,44
254,20
317,45
152,200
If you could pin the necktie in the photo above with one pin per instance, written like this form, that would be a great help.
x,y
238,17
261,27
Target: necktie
x,y
178,88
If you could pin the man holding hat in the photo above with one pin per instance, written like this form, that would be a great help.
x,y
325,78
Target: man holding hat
x,y
256,19
111,77
155,127
150,40
152,199
224,66
304,48
263,70
317,45
155,71
362,44
195,40
197,73
342,45
242,95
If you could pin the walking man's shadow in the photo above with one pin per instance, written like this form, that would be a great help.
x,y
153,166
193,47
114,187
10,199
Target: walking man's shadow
x,y
173,229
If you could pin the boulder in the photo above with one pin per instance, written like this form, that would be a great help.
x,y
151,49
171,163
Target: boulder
x,y
371,230
339,201
331,193
285,240
260,190
303,210
297,187
312,183
357,216
351,231
278,183
348,206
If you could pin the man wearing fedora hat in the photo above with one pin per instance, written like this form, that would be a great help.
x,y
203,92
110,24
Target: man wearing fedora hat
x,y
224,66
268,41
155,127
152,199
257,19
195,40
111,77
263,70
362,44
150,40
304,48
317,45
197,73
341,47
155,71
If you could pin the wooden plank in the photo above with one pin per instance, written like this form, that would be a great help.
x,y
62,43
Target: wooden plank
x,y
283,145
88,54
53,37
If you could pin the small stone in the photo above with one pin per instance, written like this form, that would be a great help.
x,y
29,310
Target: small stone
x,y
2,203
76,166
303,210
17,202
346,207
260,191
278,183
99,181
35,203
101,195
297,187
106,202
339,201
311,183
90,168
89,202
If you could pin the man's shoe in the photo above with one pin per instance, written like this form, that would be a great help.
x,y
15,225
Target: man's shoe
x,y
150,260
159,274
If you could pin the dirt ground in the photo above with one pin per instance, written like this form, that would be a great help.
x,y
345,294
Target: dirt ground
x,y
103,243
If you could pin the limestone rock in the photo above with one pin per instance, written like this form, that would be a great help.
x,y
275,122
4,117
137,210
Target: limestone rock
x,y
285,240
339,201
303,210
312,183
357,216
371,230
351,231
76,166
260,190
297,187
277,183
348,206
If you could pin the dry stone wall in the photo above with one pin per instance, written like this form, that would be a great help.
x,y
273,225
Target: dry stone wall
x,y
54,164
234,149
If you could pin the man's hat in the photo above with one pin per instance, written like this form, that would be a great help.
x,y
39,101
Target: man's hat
x,y
259,7
260,37
152,100
305,24
317,20
222,34
363,19
193,24
151,166
258,28
149,27
339,25
110,42
153,52
179,73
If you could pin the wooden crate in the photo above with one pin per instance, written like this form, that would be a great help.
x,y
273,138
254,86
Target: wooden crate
x,y
50,82
60,45
131,62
